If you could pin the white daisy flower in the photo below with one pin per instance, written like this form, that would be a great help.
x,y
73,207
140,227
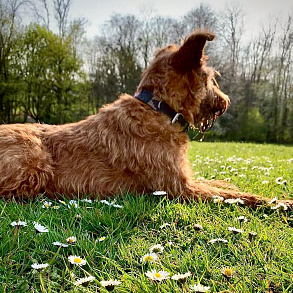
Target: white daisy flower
x,y
280,205
19,224
39,228
149,257
241,219
227,272
217,198
265,182
280,181
56,207
46,204
212,241
57,243
157,276
159,192
105,202
63,202
84,281
234,201
235,230
200,288
71,239
102,238
86,200
39,266
181,277
158,248
117,206
72,203
110,285
76,260
273,200
164,225
251,235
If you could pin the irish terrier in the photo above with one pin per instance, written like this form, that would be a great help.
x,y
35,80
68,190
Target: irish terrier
x,y
136,144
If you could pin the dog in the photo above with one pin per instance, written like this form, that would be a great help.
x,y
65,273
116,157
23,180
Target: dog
x,y
137,144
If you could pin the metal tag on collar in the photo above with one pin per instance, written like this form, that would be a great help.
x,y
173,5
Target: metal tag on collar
x,y
176,117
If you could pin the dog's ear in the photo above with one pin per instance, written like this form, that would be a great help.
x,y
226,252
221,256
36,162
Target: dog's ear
x,y
190,53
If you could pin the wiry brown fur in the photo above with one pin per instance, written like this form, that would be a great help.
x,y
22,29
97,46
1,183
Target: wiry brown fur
x,y
127,146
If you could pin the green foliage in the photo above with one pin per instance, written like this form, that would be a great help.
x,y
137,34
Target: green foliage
x,y
261,264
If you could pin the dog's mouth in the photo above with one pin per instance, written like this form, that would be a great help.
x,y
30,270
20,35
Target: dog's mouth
x,y
214,105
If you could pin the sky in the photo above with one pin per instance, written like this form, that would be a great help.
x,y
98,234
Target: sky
x,y
257,13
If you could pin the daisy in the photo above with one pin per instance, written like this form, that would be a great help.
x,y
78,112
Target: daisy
x,y
164,225
159,192
251,235
117,206
71,239
280,181
57,243
86,200
39,266
197,227
76,260
39,228
212,241
158,248
72,203
200,288
157,276
19,224
105,202
149,257
235,230
242,219
234,201
84,281
46,204
265,182
217,198
227,272
280,205
273,200
56,207
101,239
62,201
181,278
110,285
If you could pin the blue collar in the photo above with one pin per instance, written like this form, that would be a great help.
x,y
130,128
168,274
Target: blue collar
x,y
147,97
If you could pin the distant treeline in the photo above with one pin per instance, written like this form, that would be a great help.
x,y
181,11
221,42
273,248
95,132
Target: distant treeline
x,y
58,75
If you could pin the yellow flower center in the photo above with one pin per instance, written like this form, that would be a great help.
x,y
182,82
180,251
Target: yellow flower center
x,y
228,272
158,275
47,205
148,257
77,260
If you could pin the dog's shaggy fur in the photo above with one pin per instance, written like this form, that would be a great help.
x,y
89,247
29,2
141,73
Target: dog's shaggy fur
x,y
127,146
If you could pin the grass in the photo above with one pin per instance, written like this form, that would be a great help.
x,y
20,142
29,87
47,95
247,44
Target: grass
x,y
261,264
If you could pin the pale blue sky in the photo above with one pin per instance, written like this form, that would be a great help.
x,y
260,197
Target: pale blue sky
x,y
257,12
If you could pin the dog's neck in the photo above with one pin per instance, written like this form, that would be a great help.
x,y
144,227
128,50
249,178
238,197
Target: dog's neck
x,y
147,97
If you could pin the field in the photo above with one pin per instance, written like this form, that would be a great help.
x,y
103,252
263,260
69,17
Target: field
x,y
113,238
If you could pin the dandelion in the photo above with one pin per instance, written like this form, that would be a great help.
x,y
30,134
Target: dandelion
x,y
110,285
71,239
39,266
217,198
76,260
242,219
46,204
212,241
159,192
149,257
153,275
234,201
39,228
235,230
19,224
181,278
84,281
101,239
57,243
158,248
227,273
200,288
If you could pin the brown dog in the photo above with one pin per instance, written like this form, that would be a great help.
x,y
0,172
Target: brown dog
x,y
135,144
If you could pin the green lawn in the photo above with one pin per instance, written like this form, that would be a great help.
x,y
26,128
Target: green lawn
x,y
262,263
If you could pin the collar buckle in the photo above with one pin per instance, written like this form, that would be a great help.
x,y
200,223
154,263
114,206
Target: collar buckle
x,y
176,117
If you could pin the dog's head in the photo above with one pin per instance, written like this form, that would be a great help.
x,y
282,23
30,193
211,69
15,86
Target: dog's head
x,y
179,76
